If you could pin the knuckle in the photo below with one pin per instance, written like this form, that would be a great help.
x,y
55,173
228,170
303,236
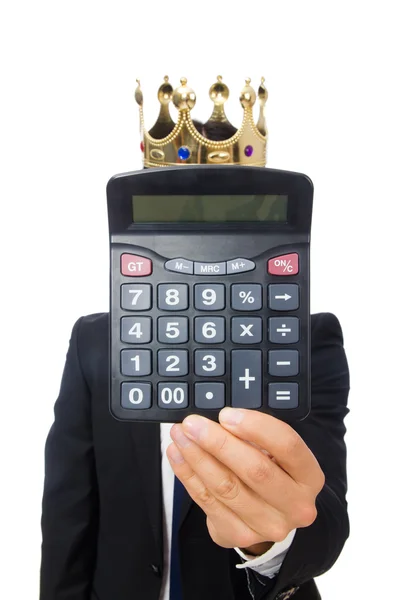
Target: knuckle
x,y
205,498
321,480
306,514
228,488
291,441
261,471
246,540
279,532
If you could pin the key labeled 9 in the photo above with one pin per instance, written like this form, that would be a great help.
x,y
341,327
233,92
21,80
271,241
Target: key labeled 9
x,y
209,296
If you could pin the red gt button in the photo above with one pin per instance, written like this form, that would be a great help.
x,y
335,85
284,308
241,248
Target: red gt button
x,y
286,264
135,266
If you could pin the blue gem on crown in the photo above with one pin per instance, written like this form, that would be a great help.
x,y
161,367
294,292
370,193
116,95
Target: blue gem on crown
x,y
184,153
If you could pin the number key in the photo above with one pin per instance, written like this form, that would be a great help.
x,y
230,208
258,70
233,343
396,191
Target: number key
x,y
172,330
136,296
209,330
172,296
136,362
172,395
172,363
136,395
209,363
209,297
136,330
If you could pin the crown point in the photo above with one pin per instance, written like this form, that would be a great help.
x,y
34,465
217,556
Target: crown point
x,y
247,96
184,97
219,78
165,92
166,78
262,92
219,92
138,94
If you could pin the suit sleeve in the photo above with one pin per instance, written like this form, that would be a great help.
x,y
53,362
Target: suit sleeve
x,y
316,548
70,502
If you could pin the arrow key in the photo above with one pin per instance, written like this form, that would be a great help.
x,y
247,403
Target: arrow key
x,y
283,296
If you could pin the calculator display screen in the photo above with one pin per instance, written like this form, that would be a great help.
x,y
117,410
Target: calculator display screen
x,y
210,209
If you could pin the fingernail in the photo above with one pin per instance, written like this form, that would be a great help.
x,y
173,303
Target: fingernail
x,y
175,455
195,426
179,437
231,416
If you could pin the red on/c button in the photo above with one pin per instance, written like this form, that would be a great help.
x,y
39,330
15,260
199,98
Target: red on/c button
x,y
286,264
135,266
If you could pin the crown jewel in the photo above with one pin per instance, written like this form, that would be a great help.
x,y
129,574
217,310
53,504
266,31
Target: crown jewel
x,y
181,143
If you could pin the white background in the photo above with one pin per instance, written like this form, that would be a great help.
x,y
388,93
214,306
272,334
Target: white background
x,y
69,122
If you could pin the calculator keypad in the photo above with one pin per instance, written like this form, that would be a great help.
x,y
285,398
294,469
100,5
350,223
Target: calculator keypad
x,y
217,340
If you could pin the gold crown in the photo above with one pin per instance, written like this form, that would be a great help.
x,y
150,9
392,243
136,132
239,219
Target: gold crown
x,y
182,144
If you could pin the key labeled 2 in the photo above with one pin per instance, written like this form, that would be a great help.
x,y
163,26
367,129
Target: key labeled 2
x,y
172,363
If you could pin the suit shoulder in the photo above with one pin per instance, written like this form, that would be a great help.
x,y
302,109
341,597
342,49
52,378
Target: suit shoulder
x,y
95,325
92,337
326,328
328,358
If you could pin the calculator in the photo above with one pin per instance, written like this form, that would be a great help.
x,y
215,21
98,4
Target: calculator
x,y
209,292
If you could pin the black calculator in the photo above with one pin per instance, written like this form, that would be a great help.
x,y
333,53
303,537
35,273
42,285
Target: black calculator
x,y
209,303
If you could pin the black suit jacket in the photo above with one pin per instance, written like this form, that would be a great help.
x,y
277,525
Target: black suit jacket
x,y
102,505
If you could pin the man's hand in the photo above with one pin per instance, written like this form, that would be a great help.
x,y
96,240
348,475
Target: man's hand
x,y
252,475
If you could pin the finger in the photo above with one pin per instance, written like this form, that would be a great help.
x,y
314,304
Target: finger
x,y
225,524
267,519
256,469
279,439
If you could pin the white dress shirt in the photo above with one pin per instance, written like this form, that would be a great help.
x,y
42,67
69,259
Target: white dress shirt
x,y
268,564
